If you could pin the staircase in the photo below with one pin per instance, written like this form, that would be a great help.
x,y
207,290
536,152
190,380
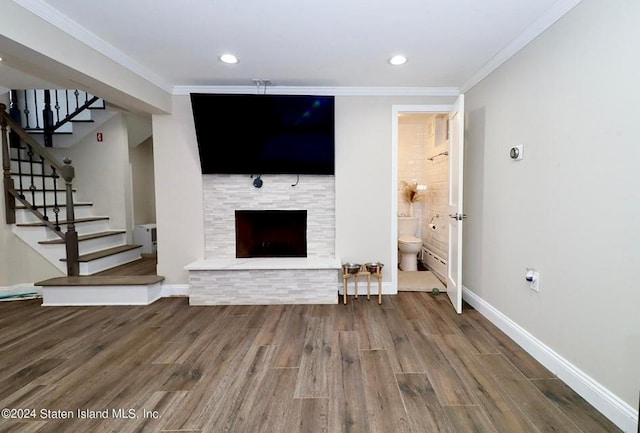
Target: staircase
x,y
37,193
66,114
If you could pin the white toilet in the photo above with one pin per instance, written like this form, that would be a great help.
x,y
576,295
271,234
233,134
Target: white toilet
x,y
408,244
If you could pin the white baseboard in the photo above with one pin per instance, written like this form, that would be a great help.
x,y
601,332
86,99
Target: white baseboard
x,y
169,290
610,405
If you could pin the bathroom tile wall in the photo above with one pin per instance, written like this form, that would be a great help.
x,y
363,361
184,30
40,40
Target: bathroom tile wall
x,y
435,202
414,132
421,136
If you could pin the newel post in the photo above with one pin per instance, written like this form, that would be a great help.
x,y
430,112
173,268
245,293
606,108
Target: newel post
x,y
9,199
71,236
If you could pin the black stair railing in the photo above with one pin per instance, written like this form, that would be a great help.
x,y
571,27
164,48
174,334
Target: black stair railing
x,y
46,111
39,176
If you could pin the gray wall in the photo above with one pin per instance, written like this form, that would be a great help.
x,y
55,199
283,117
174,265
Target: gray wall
x,y
363,182
570,208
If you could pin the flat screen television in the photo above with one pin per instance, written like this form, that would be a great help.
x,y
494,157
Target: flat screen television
x,y
265,134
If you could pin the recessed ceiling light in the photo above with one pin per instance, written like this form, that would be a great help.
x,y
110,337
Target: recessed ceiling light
x,y
398,60
229,58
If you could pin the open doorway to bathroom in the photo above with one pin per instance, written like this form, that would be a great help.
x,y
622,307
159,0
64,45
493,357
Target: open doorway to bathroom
x,y
422,199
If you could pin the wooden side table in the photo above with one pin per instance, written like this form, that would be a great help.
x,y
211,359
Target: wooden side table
x,y
362,273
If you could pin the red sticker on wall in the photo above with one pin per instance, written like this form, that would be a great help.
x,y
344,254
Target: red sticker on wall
x,y
99,136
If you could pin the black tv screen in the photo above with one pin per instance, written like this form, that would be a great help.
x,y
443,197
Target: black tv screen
x,y
265,134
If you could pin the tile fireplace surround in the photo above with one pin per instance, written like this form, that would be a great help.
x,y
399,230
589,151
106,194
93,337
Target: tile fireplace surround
x,y
222,279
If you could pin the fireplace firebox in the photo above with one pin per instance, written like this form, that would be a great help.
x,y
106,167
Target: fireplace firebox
x,y
271,233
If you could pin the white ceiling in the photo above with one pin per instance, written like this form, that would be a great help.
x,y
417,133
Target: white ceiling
x,y
309,43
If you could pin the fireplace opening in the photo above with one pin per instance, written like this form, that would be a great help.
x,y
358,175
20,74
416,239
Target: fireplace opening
x,y
271,233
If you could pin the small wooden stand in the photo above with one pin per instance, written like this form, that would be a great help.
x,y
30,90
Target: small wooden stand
x,y
362,273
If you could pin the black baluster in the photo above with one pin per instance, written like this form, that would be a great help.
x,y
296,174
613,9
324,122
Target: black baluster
x,y
47,119
35,104
77,94
44,191
32,187
57,106
26,110
66,98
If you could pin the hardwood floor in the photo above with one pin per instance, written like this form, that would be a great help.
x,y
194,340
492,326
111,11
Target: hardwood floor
x,y
410,365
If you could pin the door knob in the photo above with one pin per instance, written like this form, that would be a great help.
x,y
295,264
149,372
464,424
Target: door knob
x,y
458,216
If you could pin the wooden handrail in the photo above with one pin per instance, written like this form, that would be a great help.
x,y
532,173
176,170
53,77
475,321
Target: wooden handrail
x,y
65,170
36,147
9,199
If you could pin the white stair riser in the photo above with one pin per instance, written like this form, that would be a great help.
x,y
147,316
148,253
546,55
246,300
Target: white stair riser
x,y
23,153
48,181
101,295
85,247
42,233
26,167
48,198
90,245
24,216
88,268
97,244
53,253
81,228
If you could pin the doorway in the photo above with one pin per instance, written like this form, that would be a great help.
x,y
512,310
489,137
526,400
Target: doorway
x,y
422,169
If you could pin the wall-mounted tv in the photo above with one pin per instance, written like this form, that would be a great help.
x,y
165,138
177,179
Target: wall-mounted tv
x,y
265,134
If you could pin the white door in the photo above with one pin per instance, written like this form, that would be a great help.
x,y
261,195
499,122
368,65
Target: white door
x,y
456,215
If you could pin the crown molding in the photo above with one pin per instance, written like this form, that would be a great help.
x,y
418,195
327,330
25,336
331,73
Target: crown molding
x,y
321,91
76,31
546,20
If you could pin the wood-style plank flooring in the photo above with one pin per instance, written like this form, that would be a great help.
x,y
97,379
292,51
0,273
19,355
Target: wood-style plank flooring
x,y
410,365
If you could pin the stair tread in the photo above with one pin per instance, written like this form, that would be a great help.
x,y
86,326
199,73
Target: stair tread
x,y
41,131
42,190
104,280
77,220
86,237
26,160
24,173
105,253
60,205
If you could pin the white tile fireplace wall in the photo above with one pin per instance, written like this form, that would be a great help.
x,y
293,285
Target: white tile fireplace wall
x,y
224,194
221,279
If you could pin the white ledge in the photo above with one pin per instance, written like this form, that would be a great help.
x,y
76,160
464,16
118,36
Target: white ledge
x,y
264,263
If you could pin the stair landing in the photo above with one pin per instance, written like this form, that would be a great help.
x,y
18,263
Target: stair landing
x,y
101,290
